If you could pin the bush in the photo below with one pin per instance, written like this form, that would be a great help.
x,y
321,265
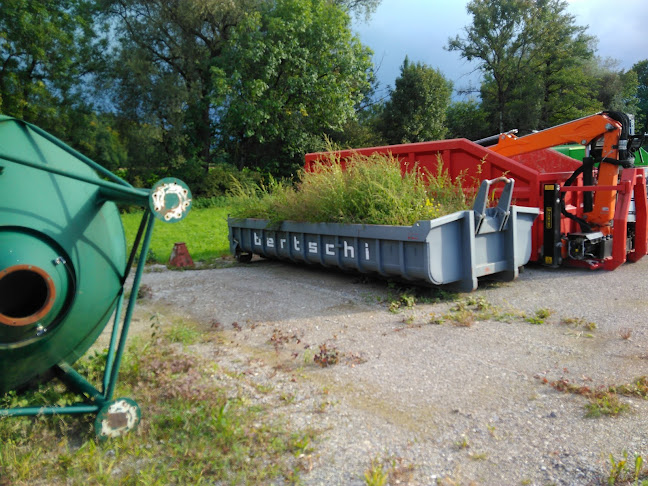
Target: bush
x,y
222,178
218,181
365,190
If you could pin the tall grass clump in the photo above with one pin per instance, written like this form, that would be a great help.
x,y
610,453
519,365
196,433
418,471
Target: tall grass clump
x,y
361,189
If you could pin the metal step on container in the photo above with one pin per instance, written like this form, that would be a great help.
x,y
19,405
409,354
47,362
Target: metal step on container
x,y
454,249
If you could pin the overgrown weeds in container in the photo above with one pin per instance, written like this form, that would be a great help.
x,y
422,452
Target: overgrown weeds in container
x,y
362,190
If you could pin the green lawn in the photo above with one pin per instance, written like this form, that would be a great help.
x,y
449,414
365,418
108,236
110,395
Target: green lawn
x,y
203,230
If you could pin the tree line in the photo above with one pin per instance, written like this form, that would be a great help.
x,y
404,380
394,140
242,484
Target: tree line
x,y
206,88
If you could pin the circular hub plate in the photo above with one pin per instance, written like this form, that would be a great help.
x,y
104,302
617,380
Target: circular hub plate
x,y
116,418
170,200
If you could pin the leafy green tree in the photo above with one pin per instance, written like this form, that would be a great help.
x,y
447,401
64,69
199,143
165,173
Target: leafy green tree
x,y
417,106
49,53
562,49
46,50
617,90
250,82
168,74
361,131
500,41
361,8
467,119
531,54
294,72
641,69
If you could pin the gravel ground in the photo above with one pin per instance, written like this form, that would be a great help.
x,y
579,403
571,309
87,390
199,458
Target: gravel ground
x,y
440,403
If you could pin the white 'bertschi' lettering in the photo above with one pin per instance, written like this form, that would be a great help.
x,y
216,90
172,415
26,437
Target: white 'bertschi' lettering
x,y
295,243
281,242
329,249
270,242
312,247
257,240
349,251
367,251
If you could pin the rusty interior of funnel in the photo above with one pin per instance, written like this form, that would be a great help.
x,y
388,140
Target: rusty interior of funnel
x,y
27,293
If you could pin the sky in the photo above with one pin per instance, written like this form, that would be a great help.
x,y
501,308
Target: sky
x,y
421,28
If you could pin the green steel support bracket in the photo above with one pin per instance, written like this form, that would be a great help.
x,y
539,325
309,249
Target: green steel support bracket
x,y
34,411
109,190
89,162
114,372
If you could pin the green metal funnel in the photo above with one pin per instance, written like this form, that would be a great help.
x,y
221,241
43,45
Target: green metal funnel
x,y
63,259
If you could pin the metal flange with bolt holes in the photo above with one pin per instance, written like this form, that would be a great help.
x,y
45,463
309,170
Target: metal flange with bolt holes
x,y
116,418
170,200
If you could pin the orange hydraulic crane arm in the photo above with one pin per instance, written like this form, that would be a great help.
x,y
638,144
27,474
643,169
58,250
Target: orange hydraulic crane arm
x,y
581,131
612,127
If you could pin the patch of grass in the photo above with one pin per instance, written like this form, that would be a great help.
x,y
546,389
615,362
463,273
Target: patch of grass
x,y
193,430
603,400
462,317
409,320
404,301
540,316
607,404
376,475
362,189
621,473
203,230
578,322
183,333
389,470
470,310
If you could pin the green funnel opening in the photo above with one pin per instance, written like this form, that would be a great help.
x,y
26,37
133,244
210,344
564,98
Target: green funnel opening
x,y
25,295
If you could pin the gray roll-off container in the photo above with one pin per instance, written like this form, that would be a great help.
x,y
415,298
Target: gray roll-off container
x,y
453,249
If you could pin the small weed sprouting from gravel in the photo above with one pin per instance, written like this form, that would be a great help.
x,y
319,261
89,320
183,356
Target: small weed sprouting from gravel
x,y
401,298
404,301
578,326
578,322
607,404
463,443
468,311
375,475
625,333
462,318
409,320
620,472
478,456
327,356
308,356
540,316
391,470
603,400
